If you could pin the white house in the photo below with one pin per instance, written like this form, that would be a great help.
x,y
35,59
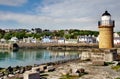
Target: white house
x,y
71,41
29,40
14,39
61,40
87,39
46,40
2,40
116,38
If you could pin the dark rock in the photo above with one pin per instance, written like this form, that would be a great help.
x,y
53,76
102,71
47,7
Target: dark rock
x,y
81,70
10,70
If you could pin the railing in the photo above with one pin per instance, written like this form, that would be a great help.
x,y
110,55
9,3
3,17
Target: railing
x,y
106,23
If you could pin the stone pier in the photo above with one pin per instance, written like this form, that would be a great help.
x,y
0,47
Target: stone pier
x,y
105,55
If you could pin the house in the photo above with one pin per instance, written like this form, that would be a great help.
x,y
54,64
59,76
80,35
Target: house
x,y
71,41
2,40
46,39
14,39
87,39
61,41
29,40
116,38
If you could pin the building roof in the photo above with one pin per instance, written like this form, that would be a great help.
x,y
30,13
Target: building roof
x,y
106,14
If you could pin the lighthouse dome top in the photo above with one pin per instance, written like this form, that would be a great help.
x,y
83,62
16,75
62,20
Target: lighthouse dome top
x,y
106,14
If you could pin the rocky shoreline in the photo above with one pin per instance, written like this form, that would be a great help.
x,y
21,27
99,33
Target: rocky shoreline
x,y
13,72
55,70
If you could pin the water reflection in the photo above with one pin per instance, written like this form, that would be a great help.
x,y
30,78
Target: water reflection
x,y
31,57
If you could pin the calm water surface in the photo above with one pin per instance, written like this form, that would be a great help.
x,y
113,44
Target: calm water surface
x,y
31,57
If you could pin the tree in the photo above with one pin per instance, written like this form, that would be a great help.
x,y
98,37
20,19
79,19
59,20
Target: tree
x,y
7,36
67,36
61,33
37,35
19,35
1,35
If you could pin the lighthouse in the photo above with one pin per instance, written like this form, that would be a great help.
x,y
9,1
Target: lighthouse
x,y
106,27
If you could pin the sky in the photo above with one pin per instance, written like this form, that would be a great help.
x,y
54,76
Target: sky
x,y
56,14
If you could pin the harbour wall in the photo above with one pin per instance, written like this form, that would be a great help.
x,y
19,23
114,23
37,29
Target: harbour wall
x,y
51,46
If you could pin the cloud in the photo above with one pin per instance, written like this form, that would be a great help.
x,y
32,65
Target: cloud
x,y
84,12
36,19
65,8
44,21
64,14
12,2
77,8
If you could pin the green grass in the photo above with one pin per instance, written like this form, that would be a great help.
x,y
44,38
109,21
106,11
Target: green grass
x,y
70,77
117,78
117,68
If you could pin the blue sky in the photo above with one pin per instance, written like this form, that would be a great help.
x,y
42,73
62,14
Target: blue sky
x,y
56,14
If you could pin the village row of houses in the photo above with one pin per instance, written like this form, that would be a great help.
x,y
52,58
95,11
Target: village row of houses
x,y
47,39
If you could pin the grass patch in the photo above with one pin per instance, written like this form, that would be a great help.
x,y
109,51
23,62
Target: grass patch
x,y
117,78
69,77
2,70
117,68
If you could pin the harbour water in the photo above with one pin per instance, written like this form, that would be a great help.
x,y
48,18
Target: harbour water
x,y
30,57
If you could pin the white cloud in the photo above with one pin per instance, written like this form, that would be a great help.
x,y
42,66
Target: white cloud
x,y
44,21
64,14
12,2
84,13
36,19
76,8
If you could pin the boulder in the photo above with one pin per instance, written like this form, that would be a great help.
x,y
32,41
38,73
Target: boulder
x,y
31,75
64,72
50,69
43,67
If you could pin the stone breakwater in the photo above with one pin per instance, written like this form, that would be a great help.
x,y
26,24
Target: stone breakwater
x,y
53,46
